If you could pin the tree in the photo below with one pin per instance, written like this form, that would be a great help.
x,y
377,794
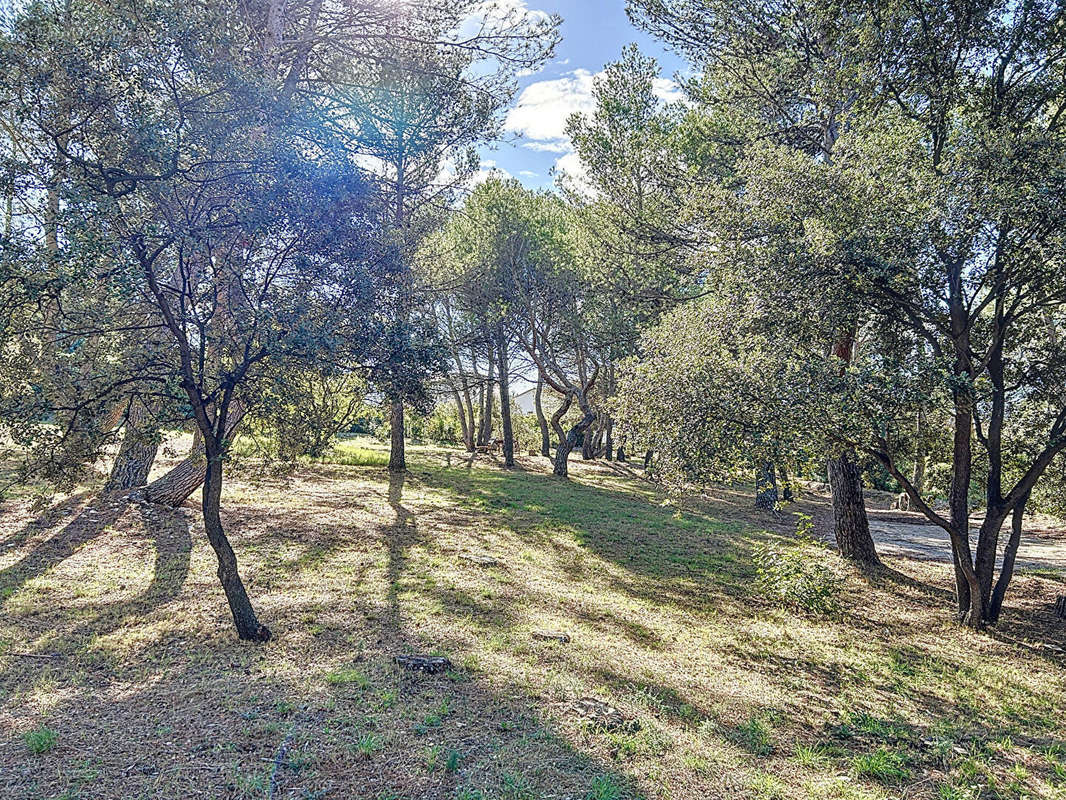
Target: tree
x,y
418,112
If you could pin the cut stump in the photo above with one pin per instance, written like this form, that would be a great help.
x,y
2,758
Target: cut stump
x,y
1060,607
552,636
428,664
601,715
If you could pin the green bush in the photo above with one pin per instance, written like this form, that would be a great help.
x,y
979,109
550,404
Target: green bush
x,y
799,576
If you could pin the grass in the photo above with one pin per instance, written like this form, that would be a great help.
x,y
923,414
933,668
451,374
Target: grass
x,y
124,644
40,740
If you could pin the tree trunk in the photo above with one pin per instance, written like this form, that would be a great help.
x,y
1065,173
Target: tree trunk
x,y
610,439
766,486
468,439
569,442
488,400
397,456
139,446
918,476
851,526
248,626
545,438
177,485
505,401
1006,572
647,459
786,485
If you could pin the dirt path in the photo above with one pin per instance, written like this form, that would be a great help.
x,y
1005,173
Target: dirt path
x,y
1043,543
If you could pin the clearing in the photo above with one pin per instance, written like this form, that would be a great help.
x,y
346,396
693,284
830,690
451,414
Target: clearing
x,y
120,674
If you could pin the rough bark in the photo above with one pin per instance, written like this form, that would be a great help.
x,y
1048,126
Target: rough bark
x,y
178,485
569,442
397,456
610,439
1006,572
505,401
248,626
766,486
851,527
545,437
140,443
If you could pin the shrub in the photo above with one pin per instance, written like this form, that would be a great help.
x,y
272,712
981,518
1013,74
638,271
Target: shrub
x,y
799,576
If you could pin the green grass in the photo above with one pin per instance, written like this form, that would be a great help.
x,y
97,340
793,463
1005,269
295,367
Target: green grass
x,y
40,740
884,765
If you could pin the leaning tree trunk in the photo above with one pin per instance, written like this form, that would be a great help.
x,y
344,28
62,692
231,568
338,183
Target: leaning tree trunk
x,y
1006,572
766,486
139,447
545,437
248,626
177,485
851,526
397,456
505,402
468,439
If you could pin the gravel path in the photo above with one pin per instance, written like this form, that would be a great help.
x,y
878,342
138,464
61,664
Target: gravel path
x,y
1043,543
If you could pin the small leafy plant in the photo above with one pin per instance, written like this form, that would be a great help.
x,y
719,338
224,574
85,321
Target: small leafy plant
x,y
40,740
799,575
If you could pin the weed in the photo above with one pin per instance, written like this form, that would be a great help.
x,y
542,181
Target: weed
x,y
368,744
884,765
604,787
349,675
452,764
40,740
754,736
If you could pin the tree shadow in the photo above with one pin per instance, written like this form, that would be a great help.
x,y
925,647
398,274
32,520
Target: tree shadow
x,y
103,511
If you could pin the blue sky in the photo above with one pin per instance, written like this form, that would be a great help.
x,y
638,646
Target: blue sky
x,y
593,35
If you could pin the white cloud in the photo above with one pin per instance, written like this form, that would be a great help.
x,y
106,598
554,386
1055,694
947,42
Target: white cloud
x,y
570,171
528,173
667,90
496,16
544,107
560,146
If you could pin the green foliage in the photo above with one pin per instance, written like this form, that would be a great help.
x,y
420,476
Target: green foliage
x,y
753,734
884,765
604,787
40,740
801,576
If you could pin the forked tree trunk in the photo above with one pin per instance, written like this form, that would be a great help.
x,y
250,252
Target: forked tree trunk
x,y
568,443
766,486
1006,572
505,402
248,626
851,526
397,456
545,437
140,443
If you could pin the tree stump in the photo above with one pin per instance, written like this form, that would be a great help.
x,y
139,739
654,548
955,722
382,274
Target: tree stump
x,y
1060,607
552,636
428,664
601,715
481,561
